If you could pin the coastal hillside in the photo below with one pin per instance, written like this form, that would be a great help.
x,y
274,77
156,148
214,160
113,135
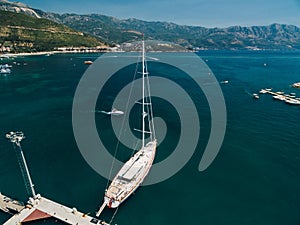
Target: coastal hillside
x,y
116,31
275,36
25,33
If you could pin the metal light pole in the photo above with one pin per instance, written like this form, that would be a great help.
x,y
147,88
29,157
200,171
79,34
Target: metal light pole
x,y
16,138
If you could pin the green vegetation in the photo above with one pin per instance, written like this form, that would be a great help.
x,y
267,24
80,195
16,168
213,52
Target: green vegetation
x,y
23,33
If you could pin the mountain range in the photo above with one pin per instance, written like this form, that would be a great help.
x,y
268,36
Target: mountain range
x,y
116,31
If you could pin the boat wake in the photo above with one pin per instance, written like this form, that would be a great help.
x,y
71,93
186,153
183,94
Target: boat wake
x,y
101,111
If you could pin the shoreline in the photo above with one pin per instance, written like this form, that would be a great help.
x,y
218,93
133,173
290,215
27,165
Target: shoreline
x,y
8,55
11,55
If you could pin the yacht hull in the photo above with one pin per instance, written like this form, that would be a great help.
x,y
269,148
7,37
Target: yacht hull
x,y
130,176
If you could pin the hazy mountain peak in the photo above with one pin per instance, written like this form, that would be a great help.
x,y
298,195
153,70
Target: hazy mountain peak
x,y
18,7
19,4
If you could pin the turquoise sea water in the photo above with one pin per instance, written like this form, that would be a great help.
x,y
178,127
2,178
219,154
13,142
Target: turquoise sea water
x,y
255,179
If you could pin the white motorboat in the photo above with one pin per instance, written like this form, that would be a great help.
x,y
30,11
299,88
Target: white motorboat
x,y
115,112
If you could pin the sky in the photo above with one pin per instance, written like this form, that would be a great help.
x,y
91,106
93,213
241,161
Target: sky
x,y
207,13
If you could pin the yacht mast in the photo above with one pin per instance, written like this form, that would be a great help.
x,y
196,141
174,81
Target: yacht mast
x,y
143,95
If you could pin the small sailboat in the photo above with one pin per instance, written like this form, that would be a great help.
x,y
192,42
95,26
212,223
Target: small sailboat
x,y
134,171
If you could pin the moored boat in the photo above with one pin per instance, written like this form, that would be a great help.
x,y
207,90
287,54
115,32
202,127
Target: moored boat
x,y
279,97
292,101
262,91
255,96
296,85
134,171
5,69
88,62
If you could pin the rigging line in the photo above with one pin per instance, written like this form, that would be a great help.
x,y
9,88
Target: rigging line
x,y
148,97
123,123
112,218
143,93
149,117
148,109
150,106
134,149
22,168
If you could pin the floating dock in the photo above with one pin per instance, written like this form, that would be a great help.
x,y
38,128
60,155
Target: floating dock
x,y
289,99
42,208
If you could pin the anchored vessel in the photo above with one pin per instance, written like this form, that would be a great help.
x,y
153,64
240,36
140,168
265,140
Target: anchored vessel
x,y
88,62
296,85
133,172
5,69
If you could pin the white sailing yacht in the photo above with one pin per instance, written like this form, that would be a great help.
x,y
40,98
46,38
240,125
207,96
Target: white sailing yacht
x,y
134,171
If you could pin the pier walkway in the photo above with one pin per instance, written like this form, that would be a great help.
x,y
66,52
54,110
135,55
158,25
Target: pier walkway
x,y
9,205
41,208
